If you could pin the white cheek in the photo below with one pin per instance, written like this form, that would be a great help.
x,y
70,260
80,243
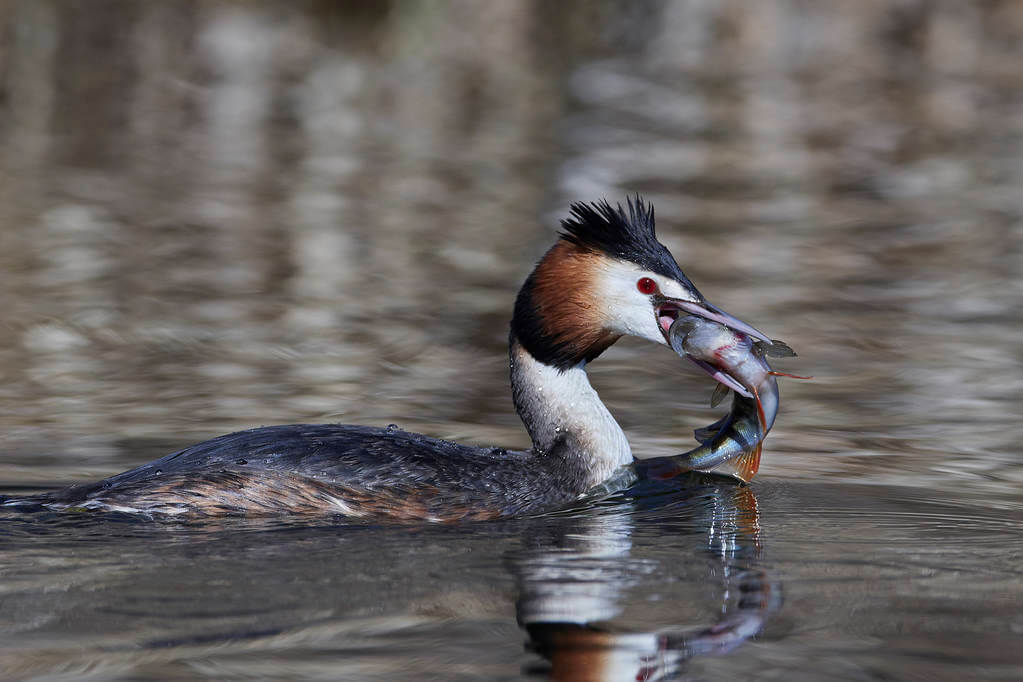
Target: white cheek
x,y
624,308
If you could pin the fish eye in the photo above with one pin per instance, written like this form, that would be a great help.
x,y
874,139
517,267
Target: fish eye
x,y
646,286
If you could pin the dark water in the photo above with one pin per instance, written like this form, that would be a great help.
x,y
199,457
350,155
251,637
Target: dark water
x,y
840,582
220,215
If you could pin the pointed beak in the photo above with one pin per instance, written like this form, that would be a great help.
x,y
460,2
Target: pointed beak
x,y
669,306
715,314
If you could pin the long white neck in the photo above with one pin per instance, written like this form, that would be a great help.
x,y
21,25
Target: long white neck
x,y
558,405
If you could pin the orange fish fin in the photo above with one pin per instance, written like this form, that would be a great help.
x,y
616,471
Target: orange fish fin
x,y
786,374
747,465
760,413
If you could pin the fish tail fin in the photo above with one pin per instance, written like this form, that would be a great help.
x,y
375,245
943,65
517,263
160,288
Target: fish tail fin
x,y
747,466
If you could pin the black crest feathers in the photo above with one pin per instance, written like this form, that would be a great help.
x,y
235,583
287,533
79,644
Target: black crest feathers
x,y
626,235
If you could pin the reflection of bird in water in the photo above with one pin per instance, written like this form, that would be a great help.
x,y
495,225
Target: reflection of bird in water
x,y
606,277
569,595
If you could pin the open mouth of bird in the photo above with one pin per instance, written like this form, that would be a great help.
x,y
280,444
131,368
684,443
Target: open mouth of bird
x,y
666,315
670,311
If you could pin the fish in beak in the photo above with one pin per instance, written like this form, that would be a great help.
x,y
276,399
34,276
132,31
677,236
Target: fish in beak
x,y
670,309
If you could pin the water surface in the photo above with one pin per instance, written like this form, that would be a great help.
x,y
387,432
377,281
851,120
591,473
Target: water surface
x,y
215,216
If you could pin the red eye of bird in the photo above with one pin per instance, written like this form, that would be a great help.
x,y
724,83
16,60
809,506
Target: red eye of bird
x,y
646,286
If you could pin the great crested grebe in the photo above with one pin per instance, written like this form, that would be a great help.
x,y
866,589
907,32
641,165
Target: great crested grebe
x,y
607,276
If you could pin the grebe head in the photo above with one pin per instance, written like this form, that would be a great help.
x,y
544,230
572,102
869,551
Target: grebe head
x,y
607,276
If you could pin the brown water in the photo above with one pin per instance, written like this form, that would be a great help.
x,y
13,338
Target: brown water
x,y
220,215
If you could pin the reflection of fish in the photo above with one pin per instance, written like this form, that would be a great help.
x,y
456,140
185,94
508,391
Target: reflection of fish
x,y
575,576
731,445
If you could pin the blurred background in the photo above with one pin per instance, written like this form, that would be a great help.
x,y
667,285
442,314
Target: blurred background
x,y
216,215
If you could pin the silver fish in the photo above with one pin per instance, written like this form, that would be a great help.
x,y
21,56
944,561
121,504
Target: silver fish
x,y
733,444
